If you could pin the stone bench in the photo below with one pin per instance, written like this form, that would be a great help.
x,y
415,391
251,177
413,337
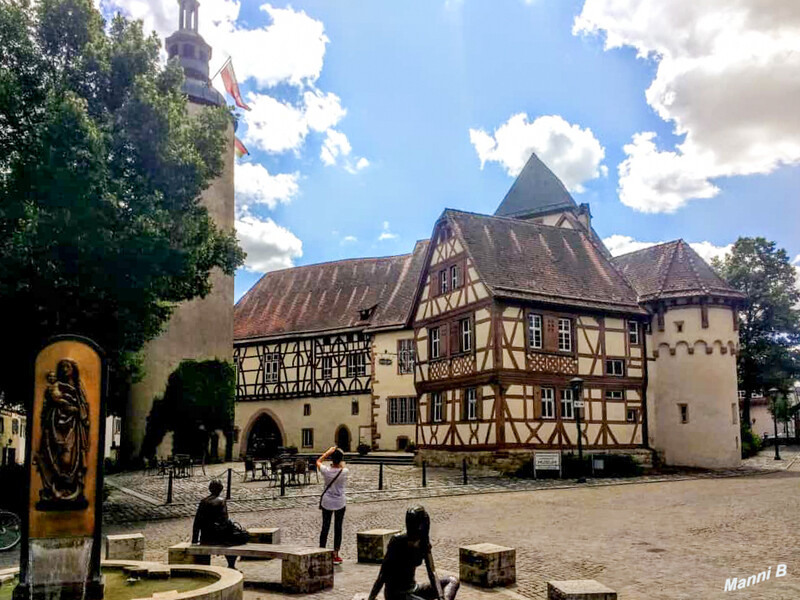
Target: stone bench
x,y
372,544
125,547
303,570
579,589
487,565
265,535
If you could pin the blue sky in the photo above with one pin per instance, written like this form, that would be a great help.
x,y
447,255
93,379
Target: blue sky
x,y
369,118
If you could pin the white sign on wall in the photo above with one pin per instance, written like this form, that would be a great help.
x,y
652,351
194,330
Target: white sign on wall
x,y
546,461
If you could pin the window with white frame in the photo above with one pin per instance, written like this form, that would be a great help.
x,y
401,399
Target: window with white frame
x,y
548,403
437,407
535,331
272,361
403,411
471,404
436,343
405,356
615,367
356,365
308,438
633,332
465,329
455,277
613,394
632,416
327,367
443,281
567,404
565,335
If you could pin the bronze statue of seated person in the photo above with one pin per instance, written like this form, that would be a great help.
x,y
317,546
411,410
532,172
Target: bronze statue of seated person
x,y
405,553
212,527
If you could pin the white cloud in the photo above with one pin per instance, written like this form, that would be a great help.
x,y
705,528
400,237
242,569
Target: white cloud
x,y
386,234
335,144
268,245
255,185
274,126
290,49
623,244
572,153
727,80
796,260
349,239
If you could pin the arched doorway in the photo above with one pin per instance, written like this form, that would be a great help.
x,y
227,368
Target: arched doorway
x,y
264,438
343,438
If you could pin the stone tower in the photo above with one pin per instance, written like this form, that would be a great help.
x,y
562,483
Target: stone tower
x,y
692,344
201,329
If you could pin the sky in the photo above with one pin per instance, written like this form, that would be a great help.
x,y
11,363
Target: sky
x,y
368,118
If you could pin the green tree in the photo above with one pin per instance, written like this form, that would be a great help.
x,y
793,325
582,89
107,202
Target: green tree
x,y
101,170
770,321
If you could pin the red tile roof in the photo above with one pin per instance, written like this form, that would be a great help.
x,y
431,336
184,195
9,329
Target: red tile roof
x,y
672,270
530,261
329,296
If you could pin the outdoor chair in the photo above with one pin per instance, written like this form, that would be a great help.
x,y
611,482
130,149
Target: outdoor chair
x,y
301,470
249,467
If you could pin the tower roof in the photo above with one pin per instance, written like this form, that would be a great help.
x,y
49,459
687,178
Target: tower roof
x,y
536,190
672,270
194,54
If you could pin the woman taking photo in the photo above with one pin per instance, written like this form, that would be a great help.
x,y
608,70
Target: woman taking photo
x,y
332,502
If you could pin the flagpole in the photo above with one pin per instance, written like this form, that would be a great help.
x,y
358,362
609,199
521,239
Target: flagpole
x,y
225,64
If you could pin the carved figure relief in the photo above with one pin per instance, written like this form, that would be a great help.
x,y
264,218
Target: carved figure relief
x,y
61,457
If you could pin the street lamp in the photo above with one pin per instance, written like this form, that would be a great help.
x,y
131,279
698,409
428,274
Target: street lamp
x,y
773,393
576,383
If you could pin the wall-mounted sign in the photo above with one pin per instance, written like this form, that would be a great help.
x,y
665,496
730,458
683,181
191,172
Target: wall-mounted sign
x,y
385,361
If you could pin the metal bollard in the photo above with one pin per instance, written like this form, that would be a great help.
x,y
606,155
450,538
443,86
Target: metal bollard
x,y
283,485
228,491
380,477
169,488
424,474
464,469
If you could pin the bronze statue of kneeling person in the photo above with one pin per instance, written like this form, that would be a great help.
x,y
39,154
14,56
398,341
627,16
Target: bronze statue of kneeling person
x,y
212,527
405,553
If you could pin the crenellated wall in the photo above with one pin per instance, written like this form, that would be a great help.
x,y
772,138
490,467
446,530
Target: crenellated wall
x,y
694,365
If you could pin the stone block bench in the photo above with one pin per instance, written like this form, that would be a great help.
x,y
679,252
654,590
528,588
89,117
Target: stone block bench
x,y
125,547
579,589
265,535
303,570
487,565
372,544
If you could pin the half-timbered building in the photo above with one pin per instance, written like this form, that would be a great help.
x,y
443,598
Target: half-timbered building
x,y
323,356
468,345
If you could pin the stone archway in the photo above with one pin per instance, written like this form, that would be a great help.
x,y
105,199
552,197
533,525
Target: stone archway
x,y
343,438
263,436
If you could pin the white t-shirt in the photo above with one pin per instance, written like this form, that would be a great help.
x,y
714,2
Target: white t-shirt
x,y
334,498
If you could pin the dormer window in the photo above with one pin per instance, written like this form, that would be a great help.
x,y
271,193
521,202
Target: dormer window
x,y
365,314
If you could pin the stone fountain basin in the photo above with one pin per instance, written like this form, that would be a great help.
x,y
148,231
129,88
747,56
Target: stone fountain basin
x,y
215,583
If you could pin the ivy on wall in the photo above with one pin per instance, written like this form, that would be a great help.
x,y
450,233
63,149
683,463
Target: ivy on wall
x,y
199,399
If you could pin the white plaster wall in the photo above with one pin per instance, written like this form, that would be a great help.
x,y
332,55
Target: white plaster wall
x,y
201,329
389,383
705,382
327,414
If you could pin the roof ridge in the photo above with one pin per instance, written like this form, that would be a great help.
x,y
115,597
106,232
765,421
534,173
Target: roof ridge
x,y
646,248
693,266
663,281
510,219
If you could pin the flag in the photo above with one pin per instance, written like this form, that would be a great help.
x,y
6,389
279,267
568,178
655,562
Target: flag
x,y
239,148
231,85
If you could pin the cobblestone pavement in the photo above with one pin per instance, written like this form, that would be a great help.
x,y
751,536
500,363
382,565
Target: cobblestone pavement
x,y
664,540
136,496
674,537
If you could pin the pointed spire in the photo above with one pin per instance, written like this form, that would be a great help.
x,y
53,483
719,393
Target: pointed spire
x,y
536,190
